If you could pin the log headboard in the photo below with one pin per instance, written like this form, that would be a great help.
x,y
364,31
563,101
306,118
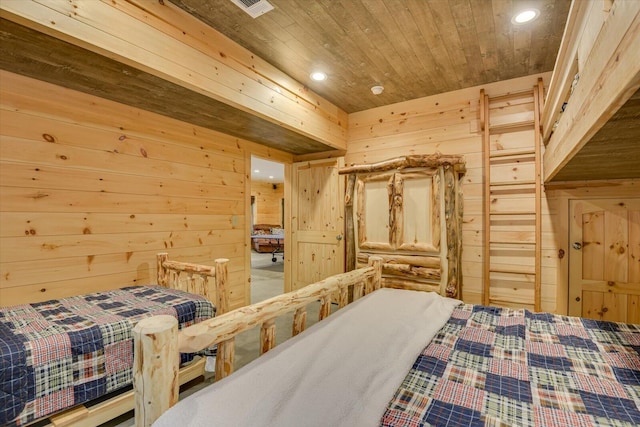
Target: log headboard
x,y
204,280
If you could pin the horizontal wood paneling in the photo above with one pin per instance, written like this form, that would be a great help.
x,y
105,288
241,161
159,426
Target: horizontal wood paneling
x,y
16,224
268,202
449,123
164,42
91,190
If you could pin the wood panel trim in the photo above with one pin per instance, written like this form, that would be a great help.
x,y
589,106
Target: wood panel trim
x,y
565,66
610,76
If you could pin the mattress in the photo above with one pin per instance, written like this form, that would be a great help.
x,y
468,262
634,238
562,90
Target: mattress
x,y
405,358
60,353
340,372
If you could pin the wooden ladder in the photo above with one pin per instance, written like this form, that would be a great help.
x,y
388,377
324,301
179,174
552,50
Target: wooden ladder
x,y
512,198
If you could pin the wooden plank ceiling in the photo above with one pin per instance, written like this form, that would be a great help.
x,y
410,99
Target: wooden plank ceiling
x,y
414,48
613,152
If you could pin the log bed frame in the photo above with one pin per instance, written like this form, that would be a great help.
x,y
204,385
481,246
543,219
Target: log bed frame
x,y
194,278
157,341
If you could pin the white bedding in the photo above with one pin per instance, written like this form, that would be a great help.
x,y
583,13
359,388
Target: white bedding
x,y
342,371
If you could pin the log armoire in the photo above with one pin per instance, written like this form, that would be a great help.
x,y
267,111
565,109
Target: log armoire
x,y
407,210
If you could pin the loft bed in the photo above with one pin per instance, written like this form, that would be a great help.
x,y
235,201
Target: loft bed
x,y
593,102
69,361
395,357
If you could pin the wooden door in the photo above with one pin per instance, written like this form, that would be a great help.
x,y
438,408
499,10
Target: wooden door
x,y
317,221
399,211
604,260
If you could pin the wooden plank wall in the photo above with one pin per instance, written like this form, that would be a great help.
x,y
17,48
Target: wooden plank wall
x,y
268,202
91,190
449,123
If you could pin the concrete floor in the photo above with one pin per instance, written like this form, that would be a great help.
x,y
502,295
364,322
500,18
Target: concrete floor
x,y
267,280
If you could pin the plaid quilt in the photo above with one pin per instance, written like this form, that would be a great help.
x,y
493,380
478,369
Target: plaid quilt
x,y
60,353
503,367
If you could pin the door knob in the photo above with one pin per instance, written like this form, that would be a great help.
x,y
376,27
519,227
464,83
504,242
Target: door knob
x,y
577,246
339,237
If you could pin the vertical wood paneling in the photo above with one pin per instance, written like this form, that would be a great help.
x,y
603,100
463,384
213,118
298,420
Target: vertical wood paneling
x,y
634,247
593,245
91,190
633,309
615,245
592,303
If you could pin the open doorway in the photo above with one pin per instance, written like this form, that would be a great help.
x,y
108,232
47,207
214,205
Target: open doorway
x,y
267,228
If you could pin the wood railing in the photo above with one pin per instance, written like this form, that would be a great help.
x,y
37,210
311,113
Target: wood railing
x,y
595,73
157,338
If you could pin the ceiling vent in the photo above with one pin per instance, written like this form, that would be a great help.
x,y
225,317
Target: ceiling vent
x,y
254,8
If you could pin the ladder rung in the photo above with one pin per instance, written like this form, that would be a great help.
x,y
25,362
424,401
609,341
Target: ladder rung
x,y
511,127
513,213
509,271
510,247
510,242
513,95
509,302
504,183
511,153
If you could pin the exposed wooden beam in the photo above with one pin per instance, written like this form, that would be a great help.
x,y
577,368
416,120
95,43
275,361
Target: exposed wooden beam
x,y
565,67
37,55
611,74
139,34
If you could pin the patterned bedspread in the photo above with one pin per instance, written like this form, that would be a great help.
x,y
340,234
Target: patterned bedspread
x,y
60,353
502,367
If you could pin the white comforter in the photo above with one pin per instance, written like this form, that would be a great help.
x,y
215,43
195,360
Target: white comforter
x,y
340,372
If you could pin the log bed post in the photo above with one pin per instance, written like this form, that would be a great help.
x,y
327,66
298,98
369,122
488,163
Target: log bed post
x,y
222,298
155,367
267,336
376,280
299,321
325,307
225,358
349,227
163,272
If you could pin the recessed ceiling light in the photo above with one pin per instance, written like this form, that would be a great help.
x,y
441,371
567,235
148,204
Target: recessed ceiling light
x,y
525,16
318,76
377,90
